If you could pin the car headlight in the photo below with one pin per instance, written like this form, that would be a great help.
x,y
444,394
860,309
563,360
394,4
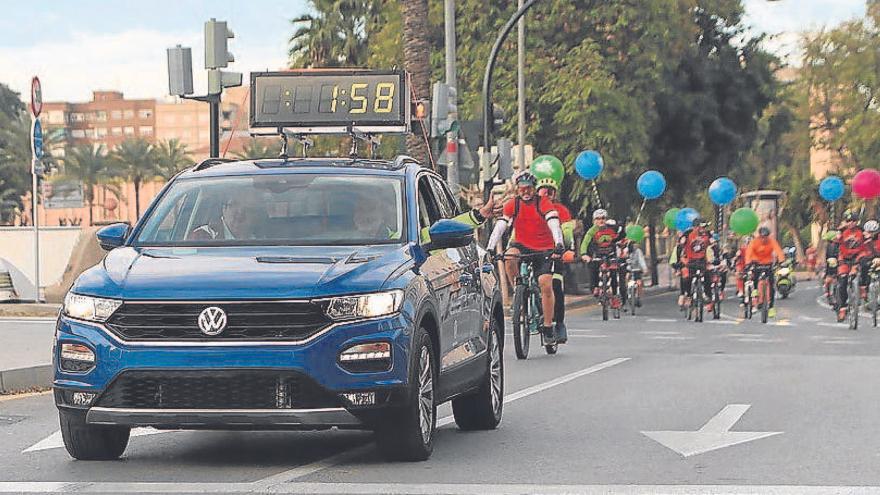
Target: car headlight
x,y
365,306
89,308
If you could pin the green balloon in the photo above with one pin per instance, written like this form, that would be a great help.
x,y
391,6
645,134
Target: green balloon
x,y
670,216
635,233
744,221
548,167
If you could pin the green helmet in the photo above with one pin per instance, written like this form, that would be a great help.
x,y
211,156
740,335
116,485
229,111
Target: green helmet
x,y
549,171
830,235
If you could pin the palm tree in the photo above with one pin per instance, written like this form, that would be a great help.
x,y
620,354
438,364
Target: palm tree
x,y
171,157
133,160
417,60
256,149
89,165
335,35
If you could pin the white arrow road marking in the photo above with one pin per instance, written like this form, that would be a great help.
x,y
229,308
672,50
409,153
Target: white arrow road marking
x,y
715,434
54,440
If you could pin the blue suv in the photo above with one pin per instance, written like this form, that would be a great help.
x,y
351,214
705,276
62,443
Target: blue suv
x,y
284,294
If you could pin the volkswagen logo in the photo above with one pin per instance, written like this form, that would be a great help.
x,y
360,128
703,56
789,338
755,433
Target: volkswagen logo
x,y
212,320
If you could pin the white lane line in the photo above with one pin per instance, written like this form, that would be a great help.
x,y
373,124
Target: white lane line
x,y
744,335
430,488
307,469
587,336
658,332
722,322
759,339
661,320
832,325
35,320
670,337
843,342
809,318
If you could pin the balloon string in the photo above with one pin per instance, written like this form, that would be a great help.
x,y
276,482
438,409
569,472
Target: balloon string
x,y
596,198
639,216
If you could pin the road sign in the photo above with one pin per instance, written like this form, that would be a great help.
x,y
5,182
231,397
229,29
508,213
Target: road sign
x,y
36,97
37,139
715,434
62,194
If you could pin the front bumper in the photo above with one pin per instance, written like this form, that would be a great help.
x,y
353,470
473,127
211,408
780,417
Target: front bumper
x,y
316,360
224,418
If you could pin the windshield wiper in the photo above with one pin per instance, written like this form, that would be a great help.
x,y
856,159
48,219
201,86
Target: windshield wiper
x,y
296,259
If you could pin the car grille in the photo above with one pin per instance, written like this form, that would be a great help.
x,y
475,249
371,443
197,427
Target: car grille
x,y
264,321
216,389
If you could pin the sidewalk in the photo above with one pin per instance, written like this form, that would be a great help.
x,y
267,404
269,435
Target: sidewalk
x,y
17,310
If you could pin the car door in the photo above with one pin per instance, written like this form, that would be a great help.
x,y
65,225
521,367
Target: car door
x,y
467,295
440,270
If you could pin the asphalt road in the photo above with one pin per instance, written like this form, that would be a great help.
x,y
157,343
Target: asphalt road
x,y
645,404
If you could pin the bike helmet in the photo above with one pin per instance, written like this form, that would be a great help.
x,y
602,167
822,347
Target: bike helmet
x,y
548,182
600,213
699,222
611,222
850,216
871,226
764,231
526,178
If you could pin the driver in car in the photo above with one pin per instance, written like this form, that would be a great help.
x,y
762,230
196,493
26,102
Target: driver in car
x,y
238,221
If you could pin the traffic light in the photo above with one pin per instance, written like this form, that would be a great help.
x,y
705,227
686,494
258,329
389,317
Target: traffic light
x,y
216,44
498,119
219,79
444,109
180,75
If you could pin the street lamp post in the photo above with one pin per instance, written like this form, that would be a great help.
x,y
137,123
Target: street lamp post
x,y
487,94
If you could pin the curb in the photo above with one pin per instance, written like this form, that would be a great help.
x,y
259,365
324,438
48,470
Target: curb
x,y
23,379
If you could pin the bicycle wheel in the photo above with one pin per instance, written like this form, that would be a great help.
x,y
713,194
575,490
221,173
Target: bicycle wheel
x,y
872,300
854,300
764,297
698,300
747,301
521,322
632,300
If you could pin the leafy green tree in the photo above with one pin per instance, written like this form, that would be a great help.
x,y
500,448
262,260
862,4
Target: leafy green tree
x,y
257,148
134,160
335,35
89,165
171,157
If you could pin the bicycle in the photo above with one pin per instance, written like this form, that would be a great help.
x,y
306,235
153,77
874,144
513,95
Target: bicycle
x,y
715,293
634,291
695,309
762,291
854,299
608,297
874,290
748,289
528,313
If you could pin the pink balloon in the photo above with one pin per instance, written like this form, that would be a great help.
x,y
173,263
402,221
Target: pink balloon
x,y
866,184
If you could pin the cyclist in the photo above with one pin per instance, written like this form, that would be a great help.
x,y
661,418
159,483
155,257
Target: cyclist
x,y
761,253
638,267
538,230
832,251
871,252
677,262
850,243
600,243
548,187
622,253
698,253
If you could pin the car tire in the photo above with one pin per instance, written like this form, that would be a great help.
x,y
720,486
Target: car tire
x,y
91,442
408,433
482,409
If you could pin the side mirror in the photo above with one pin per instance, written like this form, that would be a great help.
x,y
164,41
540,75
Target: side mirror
x,y
113,236
447,234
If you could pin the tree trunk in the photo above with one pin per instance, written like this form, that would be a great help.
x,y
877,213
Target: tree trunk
x,y
137,201
417,61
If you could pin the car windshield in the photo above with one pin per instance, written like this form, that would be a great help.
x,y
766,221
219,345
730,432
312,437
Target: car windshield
x,y
282,209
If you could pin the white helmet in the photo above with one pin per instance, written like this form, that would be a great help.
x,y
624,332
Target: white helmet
x,y
600,213
871,226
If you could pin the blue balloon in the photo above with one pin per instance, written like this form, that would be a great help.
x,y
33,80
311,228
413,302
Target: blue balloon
x,y
651,184
722,191
831,188
685,218
588,164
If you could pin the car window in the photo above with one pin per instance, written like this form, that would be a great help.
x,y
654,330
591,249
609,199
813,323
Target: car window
x,y
283,209
429,211
444,198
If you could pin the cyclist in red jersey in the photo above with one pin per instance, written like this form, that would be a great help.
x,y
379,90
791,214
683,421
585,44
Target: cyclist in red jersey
x,y
536,222
697,252
851,245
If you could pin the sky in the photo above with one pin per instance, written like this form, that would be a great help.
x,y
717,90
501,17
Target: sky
x,y
79,46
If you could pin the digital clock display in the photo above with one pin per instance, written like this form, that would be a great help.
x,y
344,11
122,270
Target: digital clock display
x,y
328,98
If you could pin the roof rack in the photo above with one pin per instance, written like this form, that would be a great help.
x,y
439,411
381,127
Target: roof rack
x,y
210,162
402,160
